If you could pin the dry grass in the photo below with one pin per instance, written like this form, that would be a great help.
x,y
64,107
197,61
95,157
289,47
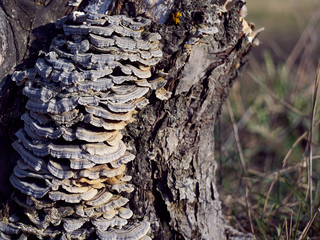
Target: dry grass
x,y
269,149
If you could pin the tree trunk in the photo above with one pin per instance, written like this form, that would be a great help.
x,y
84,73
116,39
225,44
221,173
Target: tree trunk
x,y
173,139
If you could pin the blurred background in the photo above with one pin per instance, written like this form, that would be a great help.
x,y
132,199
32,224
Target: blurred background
x,y
269,183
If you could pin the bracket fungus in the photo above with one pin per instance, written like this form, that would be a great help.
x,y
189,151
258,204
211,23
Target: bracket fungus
x,y
71,178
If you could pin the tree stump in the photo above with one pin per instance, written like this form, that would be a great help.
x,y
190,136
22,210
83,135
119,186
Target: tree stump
x,y
204,44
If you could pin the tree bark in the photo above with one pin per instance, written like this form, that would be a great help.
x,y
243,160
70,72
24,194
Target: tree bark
x,y
173,140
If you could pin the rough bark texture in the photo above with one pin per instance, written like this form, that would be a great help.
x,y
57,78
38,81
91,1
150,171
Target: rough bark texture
x,y
174,171
175,149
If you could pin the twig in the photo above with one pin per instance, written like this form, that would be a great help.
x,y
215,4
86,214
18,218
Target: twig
x,y
300,45
269,191
284,225
248,203
242,122
291,225
272,94
237,138
284,162
242,160
269,175
306,229
315,95
276,176
287,230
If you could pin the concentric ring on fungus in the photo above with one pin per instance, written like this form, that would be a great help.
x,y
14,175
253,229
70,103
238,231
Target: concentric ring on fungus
x,y
82,93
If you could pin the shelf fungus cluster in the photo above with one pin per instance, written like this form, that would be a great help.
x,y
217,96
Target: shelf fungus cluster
x,y
71,178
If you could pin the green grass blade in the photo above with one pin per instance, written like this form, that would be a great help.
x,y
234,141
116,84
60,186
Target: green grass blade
x,y
297,221
261,228
294,191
